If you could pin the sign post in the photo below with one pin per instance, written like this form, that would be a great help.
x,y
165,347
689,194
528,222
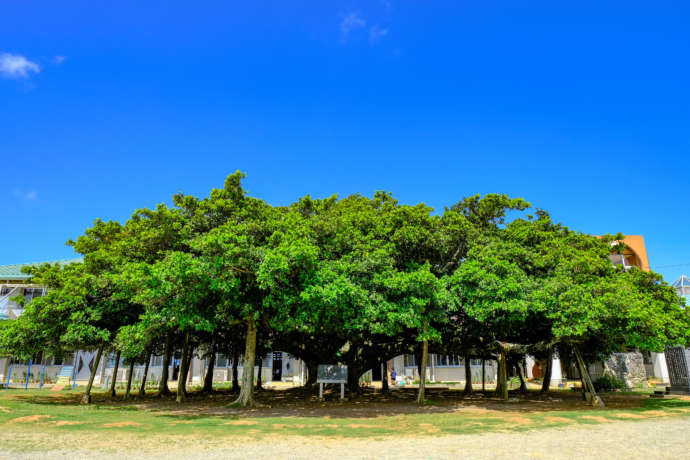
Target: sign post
x,y
332,373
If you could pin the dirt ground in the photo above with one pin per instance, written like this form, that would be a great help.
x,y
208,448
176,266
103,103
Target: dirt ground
x,y
657,439
298,403
296,424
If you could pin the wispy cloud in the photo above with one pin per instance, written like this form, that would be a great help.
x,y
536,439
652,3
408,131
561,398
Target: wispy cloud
x,y
26,195
350,23
17,66
376,33
59,59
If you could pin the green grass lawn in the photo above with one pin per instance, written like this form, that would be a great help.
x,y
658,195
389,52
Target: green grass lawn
x,y
32,418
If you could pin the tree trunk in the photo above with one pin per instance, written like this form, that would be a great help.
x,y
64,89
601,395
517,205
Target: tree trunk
x,y
117,366
583,386
188,369
354,372
523,384
384,377
422,374
584,373
129,379
502,376
182,377
142,388
163,389
418,360
546,383
312,373
260,362
208,379
246,397
468,376
86,398
235,380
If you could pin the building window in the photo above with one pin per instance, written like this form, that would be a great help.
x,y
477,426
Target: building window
x,y
410,361
239,361
5,291
221,360
32,293
448,361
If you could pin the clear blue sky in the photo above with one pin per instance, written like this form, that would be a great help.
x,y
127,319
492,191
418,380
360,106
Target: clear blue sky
x,y
582,109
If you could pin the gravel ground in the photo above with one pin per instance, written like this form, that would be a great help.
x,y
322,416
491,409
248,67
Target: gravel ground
x,y
657,439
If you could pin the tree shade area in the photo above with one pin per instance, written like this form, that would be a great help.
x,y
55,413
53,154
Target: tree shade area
x,y
352,280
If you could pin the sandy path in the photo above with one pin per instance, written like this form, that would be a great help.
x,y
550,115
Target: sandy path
x,y
657,439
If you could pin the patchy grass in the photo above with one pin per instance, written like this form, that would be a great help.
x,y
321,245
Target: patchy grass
x,y
38,419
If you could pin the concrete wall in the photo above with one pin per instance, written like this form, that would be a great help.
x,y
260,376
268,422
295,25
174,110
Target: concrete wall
x,y
457,374
198,372
444,373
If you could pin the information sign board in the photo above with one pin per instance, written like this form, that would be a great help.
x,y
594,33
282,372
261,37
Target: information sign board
x,y
331,373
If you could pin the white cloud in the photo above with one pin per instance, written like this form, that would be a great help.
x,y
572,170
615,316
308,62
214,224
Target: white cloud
x,y
376,33
16,66
351,22
59,59
27,195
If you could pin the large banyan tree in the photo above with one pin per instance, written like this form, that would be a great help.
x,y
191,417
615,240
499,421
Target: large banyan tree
x,y
355,280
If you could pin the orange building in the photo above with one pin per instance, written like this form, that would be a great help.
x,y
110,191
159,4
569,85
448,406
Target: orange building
x,y
634,255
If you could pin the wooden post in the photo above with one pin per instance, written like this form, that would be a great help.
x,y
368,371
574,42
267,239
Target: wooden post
x,y
587,381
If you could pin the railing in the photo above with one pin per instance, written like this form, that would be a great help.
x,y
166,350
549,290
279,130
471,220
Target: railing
x,y
5,299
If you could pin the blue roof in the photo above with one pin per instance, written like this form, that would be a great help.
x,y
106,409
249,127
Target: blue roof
x,y
14,272
683,281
